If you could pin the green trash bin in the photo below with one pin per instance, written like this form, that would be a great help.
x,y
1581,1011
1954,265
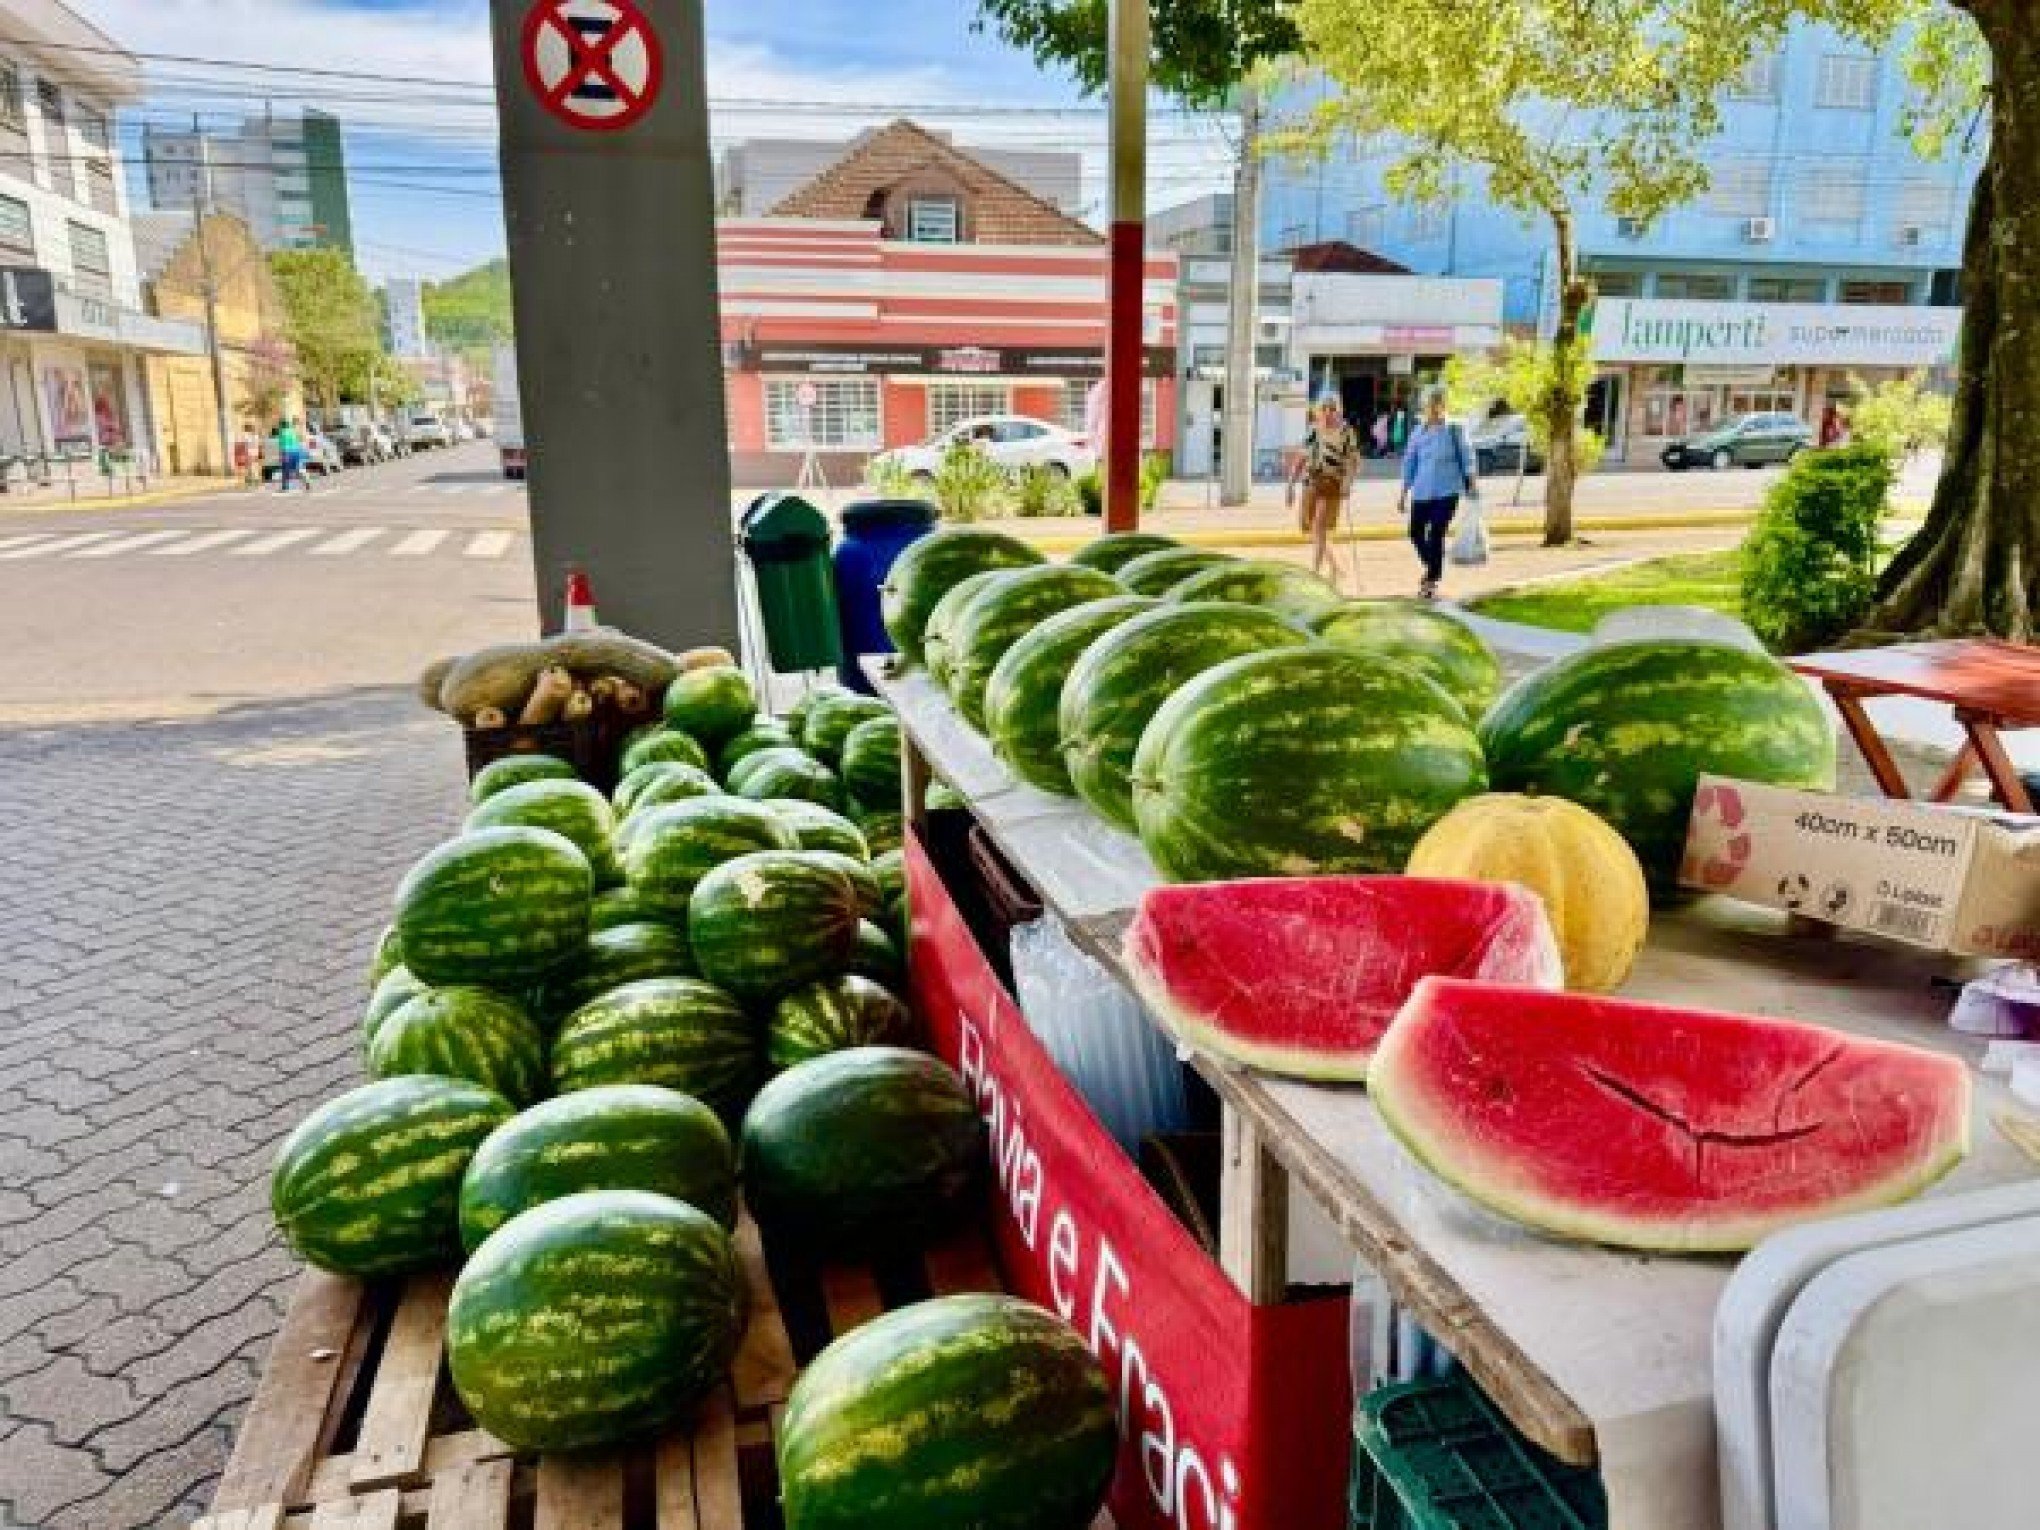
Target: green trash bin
x,y
786,541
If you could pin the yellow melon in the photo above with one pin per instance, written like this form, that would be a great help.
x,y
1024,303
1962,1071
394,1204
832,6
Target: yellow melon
x,y
1591,883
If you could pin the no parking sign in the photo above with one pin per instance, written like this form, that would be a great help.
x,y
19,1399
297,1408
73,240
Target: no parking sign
x,y
594,64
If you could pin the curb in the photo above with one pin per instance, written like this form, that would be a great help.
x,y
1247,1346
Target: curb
x,y
120,501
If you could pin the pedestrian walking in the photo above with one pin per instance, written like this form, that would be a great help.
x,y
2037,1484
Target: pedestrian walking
x,y
1325,468
1438,468
290,458
1834,426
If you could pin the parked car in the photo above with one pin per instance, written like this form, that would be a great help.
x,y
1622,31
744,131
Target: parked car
x,y
1750,441
363,445
321,455
1503,446
423,428
1010,440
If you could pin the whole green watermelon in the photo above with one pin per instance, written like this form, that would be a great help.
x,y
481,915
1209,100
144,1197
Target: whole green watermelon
x,y
788,756
1123,678
830,721
713,705
1109,554
1417,633
833,1014
680,1033
863,880
935,649
891,870
1023,696
1155,574
499,907
884,830
369,1183
661,781
1629,729
820,828
927,570
788,773
467,1033
389,955
515,770
908,1422
675,846
870,766
764,924
397,985
765,733
615,906
569,808
594,1319
624,953
1283,588
618,1137
1003,613
861,1150
877,958
663,743
797,715
1302,762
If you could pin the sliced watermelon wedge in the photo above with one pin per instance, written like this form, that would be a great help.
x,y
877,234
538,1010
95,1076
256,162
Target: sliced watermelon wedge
x,y
1301,976
1645,1126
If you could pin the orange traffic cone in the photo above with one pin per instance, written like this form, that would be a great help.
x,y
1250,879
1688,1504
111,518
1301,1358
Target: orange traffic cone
x,y
580,603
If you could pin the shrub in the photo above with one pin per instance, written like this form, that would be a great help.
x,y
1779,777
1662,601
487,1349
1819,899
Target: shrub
x,y
1043,491
969,485
890,478
1155,468
1809,565
1901,418
1091,492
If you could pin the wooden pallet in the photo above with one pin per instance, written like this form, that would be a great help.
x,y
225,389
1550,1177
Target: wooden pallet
x,y
356,1426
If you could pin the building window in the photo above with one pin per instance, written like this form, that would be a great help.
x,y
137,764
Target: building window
x,y
1741,188
934,220
1294,237
13,113
822,413
1788,289
17,232
1927,206
1696,286
97,134
91,262
1427,220
1618,284
50,100
950,404
1834,194
1848,82
1887,294
1367,227
1759,79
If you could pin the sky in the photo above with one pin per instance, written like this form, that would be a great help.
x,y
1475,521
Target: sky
x,y
422,158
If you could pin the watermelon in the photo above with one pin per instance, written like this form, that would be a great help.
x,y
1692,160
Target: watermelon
x,y
833,1014
515,770
870,895
1155,574
713,705
884,832
500,907
1110,554
619,1137
675,846
1645,1126
1627,732
1417,633
1301,977
1123,678
876,957
569,808
615,906
870,766
1300,763
1002,613
891,870
861,1150
661,781
787,773
967,1411
594,1319
1023,694
765,733
369,1183
1282,588
821,828
467,1033
789,756
797,715
764,924
398,985
681,1033
624,953
389,955
930,567
663,744
831,720
935,647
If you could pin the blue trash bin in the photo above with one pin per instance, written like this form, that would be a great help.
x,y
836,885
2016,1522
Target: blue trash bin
x,y
875,533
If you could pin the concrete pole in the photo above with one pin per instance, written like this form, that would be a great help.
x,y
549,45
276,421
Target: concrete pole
x,y
1236,471
1126,342
201,204
613,277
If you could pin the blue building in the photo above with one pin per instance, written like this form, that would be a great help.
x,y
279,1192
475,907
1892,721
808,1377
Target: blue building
x,y
1773,291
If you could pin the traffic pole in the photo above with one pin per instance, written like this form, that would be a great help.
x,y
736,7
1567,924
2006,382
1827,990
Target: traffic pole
x,y
1126,338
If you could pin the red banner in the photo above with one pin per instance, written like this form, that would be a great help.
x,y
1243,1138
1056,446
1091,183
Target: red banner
x,y
1234,1417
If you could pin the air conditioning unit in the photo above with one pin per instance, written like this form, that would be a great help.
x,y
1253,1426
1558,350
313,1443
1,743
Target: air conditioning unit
x,y
1911,236
1631,228
1760,230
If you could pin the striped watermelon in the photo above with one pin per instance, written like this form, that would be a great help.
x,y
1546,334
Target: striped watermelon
x,y
820,828
1303,762
891,871
791,755
908,1422
619,1137
369,1183
389,955
1155,574
594,1319
467,1033
661,781
515,770
833,1014
1004,612
713,705
831,720
615,906
935,646
569,808
1417,633
681,1033
624,953
765,733
398,985
1110,554
870,766
764,924
663,743
1283,588
1123,678
499,907
877,958
787,773
870,896
1628,730
675,846
1023,696
797,715
930,567
866,1149
883,831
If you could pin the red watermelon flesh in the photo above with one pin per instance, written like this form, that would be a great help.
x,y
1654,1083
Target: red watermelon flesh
x,y
1301,976
1645,1126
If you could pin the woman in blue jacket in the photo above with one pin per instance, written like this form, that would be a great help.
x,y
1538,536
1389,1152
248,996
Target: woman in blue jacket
x,y
1439,466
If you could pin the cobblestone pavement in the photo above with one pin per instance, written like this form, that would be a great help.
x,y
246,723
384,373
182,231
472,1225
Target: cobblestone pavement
x,y
186,911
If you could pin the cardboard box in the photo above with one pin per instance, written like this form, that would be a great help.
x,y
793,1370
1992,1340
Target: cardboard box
x,y
1949,879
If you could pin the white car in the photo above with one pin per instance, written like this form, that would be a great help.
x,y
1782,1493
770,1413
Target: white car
x,y
426,429
1010,440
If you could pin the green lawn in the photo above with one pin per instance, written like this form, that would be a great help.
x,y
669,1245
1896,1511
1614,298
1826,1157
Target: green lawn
x,y
1713,580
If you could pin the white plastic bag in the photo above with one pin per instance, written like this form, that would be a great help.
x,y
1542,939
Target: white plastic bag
x,y
1470,544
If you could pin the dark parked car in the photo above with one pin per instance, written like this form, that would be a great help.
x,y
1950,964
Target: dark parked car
x,y
1502,446
1751,441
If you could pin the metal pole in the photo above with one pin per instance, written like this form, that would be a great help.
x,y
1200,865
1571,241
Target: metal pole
x,y
1125,350
201,203
1243,310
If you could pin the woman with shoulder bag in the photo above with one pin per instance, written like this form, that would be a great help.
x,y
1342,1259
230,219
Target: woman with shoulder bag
x,y
1438,468
1326,467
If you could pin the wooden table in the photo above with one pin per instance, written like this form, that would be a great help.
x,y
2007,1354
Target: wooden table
x,y
1992,686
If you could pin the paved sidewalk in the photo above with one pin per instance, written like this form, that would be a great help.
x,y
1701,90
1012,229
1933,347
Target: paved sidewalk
x,y
184,928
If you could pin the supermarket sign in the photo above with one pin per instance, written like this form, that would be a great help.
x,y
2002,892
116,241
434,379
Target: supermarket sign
x,y
1775,334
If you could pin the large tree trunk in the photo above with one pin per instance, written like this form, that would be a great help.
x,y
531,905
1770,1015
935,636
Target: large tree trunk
x,y
1975,565
1563,398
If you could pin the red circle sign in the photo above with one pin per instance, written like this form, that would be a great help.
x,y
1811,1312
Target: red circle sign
x,y
594,64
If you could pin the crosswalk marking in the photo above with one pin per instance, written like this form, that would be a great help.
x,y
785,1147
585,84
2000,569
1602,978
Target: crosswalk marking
x,y
61,545
416,545
130,544
204,543
347,542
489,544
26,537
277,540
259,542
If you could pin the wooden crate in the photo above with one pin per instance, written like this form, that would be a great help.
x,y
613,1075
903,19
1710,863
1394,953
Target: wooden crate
x,y
356,1426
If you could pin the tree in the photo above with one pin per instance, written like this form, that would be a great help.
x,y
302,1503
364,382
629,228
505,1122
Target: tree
x,y
1900,418
269,369
1560,104
1523,375
331,322
469,315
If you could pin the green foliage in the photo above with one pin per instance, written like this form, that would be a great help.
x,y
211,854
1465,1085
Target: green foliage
x,y
1539,382
1202,49
1947,64
890,478
1810,563
1091,492
1901,418
469,315
1712,580
969,486
1043,491
332,322
1155,468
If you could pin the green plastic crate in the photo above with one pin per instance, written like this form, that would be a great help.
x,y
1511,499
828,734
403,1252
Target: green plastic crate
x,y
1436,1455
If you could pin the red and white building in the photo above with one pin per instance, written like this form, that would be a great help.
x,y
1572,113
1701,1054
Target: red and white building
x,y
906,288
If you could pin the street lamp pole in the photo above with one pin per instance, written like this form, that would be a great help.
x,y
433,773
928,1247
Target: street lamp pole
x,y
201,203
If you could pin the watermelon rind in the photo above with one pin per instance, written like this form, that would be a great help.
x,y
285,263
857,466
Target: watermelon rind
x,y
884,830
833,1014
929,567
396,986
787,774
679,1033
831,720
673,847
1004,612
875,956
624,953
870,766
1416,632
663,744
514,770
570,808
796,716
618,905
863,880
765,733
389,955
890,867
467,1033
661,781
764,924
790,755
1282,588
936,652
497,907
1155,574
711,705
821,828
1023,694
1110,553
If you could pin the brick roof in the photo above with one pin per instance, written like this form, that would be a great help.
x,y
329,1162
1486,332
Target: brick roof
x,y
999,210
1338,255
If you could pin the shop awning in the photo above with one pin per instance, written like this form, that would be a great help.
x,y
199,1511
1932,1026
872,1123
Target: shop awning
x,y
83,318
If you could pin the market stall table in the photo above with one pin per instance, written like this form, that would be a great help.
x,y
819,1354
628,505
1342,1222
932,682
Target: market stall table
x,y
1992,686
1599,1356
